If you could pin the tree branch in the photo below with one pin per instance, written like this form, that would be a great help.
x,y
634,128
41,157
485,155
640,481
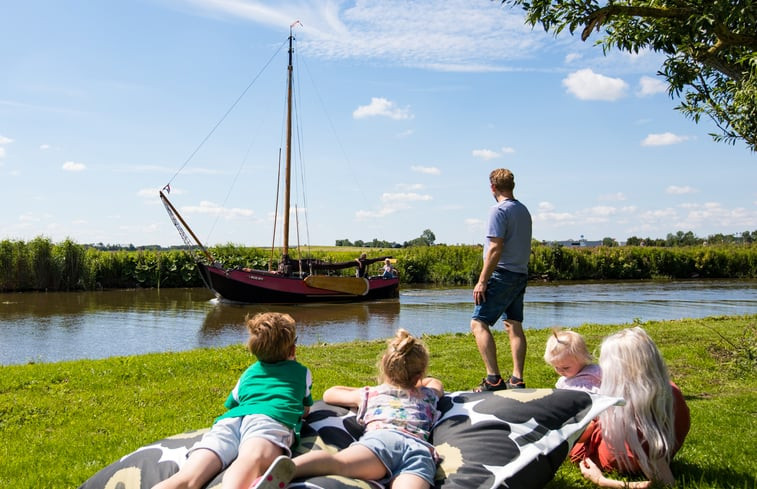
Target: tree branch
x,y
599,16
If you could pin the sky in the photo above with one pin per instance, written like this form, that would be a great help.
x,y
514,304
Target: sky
x,y
402,110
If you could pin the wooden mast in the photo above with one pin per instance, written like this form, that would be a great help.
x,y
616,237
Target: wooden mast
x,y
288,168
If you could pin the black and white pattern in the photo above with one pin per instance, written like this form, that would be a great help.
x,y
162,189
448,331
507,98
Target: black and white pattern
x,y
515,438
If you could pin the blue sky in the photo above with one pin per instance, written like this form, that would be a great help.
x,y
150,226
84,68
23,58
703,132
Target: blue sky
x,y
404,107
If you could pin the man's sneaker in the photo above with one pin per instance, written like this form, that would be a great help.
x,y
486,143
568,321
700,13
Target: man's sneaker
x,y
485,385
277,476
513,383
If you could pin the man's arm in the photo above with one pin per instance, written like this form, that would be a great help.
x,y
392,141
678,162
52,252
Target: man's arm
x,y
493,252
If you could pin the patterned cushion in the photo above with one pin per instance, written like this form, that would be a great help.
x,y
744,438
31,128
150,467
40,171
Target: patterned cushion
x,y
516,438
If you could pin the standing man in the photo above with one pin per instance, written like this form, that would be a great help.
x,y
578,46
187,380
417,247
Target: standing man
x,y
502,283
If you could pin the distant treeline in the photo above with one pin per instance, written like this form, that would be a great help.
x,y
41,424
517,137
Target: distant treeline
x,y
41,265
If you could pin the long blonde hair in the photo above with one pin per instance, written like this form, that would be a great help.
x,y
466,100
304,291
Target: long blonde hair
x,y
404,361
633,368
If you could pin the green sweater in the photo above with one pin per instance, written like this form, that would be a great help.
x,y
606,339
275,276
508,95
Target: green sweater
x,y
280,390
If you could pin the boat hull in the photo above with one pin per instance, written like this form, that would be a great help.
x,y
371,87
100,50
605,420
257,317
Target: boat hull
x,y
258,286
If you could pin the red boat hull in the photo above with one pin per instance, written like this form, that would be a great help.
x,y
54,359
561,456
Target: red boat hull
x,y
258,286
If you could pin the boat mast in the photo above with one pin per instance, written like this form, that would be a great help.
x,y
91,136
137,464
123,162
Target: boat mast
x,y
288,167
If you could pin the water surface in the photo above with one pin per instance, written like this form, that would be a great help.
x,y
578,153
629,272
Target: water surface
x,y
49,327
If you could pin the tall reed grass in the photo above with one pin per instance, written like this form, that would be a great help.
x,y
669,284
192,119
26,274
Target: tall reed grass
x,y
40,264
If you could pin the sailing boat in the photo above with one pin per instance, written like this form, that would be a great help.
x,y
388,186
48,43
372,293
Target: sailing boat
x,y
300,280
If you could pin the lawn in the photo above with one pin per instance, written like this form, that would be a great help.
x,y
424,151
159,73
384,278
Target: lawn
x,y
62,422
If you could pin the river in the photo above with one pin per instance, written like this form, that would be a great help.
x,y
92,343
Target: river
x,y
51,327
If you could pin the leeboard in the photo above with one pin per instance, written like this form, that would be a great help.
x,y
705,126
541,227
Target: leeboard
x,y
348,285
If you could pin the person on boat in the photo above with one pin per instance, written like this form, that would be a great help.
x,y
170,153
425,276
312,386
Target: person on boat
x,y
643,435
398,415
389,271
502,282
362,264
265,411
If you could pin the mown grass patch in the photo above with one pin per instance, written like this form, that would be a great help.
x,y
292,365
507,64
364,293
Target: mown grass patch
x,y
62,422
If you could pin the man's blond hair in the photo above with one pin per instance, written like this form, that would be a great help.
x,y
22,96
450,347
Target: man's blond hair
x,y
502,179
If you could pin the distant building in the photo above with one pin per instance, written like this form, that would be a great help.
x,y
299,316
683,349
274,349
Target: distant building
x,y
576,243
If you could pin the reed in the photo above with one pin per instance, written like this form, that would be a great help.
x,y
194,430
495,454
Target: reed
x,y
43,265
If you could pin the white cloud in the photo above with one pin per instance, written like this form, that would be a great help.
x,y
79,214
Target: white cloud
x,y
392,202
148,192
618,196
557,218
28,217
362,215
663,139
380,106
481,36
488,154
474,224
676,190
214,209
485,154
428,170
405,134
404,197
651,86
587,85
602,210
546,207
73,166
410,186
153,192
571,57
716,215
4,140
44,147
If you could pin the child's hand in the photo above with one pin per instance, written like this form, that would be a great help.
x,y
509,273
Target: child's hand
x,y
590,470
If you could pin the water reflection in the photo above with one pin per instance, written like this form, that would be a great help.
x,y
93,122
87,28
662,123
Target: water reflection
x,y
49,327
315,322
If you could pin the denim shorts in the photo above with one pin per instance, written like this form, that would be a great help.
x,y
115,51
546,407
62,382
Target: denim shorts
x,y
225,437
400,454
504,295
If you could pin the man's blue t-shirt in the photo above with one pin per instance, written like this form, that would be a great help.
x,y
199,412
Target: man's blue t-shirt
x,y
511,221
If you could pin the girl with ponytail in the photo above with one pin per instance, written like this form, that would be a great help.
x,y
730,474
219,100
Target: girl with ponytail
x,y
398,415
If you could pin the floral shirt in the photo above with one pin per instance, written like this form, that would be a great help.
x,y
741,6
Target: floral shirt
x,y
410,411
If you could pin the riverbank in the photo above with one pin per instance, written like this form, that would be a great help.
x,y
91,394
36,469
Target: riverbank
x,y
62,422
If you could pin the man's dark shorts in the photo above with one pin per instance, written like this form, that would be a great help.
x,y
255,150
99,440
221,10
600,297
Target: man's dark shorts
x,y
504,295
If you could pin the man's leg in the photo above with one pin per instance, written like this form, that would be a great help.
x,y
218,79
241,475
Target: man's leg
x,y
486,346
517,346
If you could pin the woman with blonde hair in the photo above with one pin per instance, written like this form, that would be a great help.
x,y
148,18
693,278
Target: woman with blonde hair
x,y
643,435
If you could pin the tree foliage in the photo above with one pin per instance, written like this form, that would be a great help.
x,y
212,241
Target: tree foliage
x,y
709,46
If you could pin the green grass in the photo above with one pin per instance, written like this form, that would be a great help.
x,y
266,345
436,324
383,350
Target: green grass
x,y
62,422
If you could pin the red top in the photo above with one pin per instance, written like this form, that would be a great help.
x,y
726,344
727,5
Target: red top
x,y
594,447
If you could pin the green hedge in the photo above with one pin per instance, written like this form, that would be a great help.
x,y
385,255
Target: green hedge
x,y
43,265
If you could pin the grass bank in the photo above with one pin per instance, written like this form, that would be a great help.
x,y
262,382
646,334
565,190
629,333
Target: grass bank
x,y
62,422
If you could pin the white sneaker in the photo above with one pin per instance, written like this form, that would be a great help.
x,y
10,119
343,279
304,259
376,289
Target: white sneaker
x,y
277,476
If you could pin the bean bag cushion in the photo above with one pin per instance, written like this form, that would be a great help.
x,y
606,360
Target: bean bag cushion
x,y
514,438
